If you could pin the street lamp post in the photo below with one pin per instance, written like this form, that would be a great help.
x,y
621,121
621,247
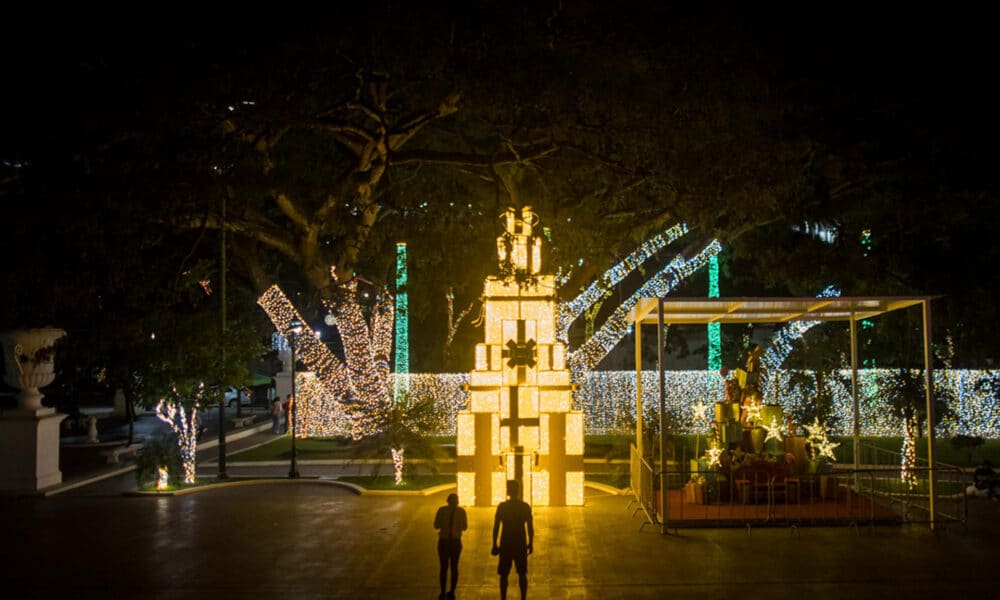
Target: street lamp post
x,y
294,329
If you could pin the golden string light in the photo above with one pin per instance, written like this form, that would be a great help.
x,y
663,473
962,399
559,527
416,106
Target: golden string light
x,y
362,384
185,425
571,310
617,326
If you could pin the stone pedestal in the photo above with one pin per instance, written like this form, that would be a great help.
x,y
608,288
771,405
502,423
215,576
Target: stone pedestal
x,y
29,435
29,447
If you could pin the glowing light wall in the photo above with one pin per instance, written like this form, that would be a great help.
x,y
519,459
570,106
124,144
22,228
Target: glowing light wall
x,y
714,329
519,423
607,399
402,362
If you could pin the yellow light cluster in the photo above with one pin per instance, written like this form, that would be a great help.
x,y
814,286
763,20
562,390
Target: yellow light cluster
x,y
540,487
499,479
574,433
466,442
364,383
309,349
320,413
467,487
519,318
574,488
185,425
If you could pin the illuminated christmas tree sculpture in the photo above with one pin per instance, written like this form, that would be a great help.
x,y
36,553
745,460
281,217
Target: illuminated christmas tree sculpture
x,y
520,424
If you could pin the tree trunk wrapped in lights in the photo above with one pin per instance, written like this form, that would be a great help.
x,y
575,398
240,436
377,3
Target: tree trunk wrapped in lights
x,y
362,383
590,353
908,455
185,425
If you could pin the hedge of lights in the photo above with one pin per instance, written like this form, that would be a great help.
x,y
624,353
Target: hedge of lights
x,y
608,401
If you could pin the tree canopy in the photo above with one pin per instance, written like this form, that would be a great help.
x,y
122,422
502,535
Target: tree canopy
x,y
389,122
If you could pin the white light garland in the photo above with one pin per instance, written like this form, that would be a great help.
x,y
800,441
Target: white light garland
x,y
567,312
363,384
608,401
784,340
908,454
397,464
185,425
590,353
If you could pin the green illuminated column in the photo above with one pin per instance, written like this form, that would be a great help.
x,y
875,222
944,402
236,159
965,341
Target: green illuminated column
x,y
714,332
402,326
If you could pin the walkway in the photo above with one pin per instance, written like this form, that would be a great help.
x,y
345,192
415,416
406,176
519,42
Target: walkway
x,y
310,540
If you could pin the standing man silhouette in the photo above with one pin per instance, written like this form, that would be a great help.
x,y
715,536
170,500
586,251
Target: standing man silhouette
x,y
450,522
517,535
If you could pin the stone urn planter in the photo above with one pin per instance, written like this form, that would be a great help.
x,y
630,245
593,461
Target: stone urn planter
x,y
29,437
28,360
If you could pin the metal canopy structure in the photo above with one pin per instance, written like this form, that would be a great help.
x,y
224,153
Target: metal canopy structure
x,y
694,311
765,310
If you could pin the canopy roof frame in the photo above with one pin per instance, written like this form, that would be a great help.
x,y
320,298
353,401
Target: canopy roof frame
x,y
663,311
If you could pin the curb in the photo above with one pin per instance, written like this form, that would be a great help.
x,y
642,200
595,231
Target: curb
x,y
603,487
357,489
214,443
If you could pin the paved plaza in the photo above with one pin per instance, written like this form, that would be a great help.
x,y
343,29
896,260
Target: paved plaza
x,y
316,540
312,539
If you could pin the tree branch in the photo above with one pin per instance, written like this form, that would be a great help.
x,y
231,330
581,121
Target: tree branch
x,y
290,210
472,160
409,128
253,226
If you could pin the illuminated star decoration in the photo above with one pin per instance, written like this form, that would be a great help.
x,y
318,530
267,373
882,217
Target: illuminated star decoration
x,y
774,430
714,454
700,412
821,445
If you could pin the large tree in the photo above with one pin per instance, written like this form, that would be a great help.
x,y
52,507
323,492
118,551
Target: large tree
x,y
389,123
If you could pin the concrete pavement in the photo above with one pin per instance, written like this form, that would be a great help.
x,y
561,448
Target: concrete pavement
x,y
306,539
309,540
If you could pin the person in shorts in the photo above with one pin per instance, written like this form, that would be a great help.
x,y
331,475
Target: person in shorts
x,y
450,521
512,522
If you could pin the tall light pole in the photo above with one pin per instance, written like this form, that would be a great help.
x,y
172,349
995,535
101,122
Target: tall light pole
x,y
223,384
294,329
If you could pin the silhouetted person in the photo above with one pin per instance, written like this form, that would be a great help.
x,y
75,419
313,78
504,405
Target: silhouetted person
x,y
276,412
286,406
450,522
517,535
